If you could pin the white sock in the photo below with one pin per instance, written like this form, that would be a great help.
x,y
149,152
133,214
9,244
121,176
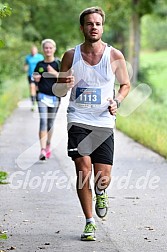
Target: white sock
x,y
98,191
90,220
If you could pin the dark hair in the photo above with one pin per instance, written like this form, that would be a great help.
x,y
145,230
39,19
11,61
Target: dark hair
x,y
90,11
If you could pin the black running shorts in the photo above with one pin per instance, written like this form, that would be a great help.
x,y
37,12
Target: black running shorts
x,y
86,140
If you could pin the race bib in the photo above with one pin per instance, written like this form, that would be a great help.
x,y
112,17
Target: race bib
x,y
88,97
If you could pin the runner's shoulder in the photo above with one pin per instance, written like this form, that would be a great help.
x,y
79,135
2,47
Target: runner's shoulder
x,y
69,53
116,54
68,59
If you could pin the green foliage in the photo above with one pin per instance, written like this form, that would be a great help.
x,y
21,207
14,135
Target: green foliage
x,y
12,60
3,176
160,9
3,236
20,14
156,64
147,124
144,74
13,90
31,34
5,11
2,44
143,7
154,34
35,20
116,30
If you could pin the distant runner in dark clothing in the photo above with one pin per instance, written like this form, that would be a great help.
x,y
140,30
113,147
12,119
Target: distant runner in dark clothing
x,y
30,63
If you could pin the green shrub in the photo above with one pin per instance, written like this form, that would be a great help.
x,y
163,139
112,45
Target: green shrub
x,y
3,176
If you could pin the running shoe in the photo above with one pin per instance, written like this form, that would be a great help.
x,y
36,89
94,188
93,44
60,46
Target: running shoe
x,y
33,108
89,232
42,156
101,205
48,151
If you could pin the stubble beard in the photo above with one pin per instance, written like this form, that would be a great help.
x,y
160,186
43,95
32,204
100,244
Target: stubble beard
x,y
91,40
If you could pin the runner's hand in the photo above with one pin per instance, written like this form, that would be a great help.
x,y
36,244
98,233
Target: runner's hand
x,y
64,84
36,77
112,107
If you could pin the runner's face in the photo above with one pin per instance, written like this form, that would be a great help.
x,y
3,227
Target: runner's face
x,y
93,27
34,50
48,49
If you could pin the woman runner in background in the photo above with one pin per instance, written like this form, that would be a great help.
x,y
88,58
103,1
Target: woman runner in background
x,y
45,75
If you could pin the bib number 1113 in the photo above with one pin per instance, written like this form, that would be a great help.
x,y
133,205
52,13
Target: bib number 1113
x,y
88,95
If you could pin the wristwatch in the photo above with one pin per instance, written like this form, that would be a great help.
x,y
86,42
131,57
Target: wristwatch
x,y
117,102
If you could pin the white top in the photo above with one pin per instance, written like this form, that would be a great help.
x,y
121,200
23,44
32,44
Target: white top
x,y
93,86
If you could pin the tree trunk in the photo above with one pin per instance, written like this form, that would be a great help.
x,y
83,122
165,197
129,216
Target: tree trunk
x,y
134,45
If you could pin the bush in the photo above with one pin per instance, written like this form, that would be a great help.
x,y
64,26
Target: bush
x,y
3,176
154,35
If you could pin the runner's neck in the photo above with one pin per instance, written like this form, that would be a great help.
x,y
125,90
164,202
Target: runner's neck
x,y
49,59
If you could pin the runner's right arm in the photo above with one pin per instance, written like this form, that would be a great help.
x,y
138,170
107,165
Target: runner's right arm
x,y
65,79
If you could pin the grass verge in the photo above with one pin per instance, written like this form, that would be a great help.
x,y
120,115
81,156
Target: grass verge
x,y
147,124
10,94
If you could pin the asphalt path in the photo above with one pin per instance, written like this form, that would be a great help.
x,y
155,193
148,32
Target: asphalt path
x,y
39,208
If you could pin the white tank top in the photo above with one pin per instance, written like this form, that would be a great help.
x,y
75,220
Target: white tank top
x,y
93,86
